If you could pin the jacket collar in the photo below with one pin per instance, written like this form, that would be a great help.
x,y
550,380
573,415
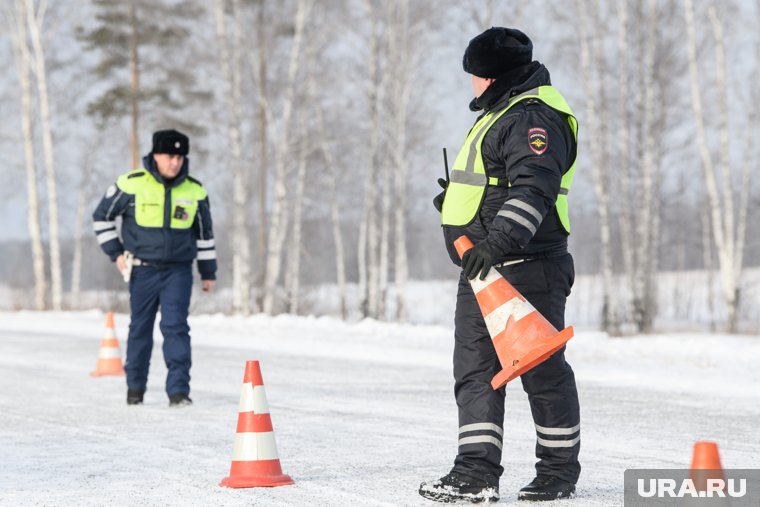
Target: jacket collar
x,y
150,165
510,84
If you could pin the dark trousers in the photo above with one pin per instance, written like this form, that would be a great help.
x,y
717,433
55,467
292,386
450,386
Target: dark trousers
x,y
170,289
550,386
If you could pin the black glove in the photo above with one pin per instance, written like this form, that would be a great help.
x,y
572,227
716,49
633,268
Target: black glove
x,y
438,199
478,259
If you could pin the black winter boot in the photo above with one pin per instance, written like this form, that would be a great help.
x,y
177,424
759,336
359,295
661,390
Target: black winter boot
x,y
456,487
546,487
179,400
134,397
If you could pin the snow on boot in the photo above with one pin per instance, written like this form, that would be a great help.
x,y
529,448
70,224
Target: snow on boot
x,y
179,400
546,487
456,487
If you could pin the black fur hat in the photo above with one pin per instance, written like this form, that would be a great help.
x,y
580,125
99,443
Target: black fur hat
x,y
496,51
170,141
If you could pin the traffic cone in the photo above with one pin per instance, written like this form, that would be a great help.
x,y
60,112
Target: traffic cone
x,y
254,458
522,337
109,357
705,464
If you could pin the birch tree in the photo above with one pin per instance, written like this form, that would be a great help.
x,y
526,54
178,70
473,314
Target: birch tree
x,y
35,20
230,62
18,33
626,187
264,114
325,139
332,171
404,54
293,272
82,201
367,248
644,225
599,170
280,209
728,223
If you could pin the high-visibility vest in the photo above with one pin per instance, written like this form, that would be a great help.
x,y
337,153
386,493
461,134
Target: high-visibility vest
x,y
150,199
467,188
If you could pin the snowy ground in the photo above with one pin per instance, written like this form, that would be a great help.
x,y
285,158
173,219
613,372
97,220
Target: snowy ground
x,y
362,412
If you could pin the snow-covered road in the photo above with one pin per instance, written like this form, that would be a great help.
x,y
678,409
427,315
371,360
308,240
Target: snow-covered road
x,y
362,412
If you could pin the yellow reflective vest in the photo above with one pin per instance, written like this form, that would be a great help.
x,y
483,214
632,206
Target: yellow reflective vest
x,y
466,190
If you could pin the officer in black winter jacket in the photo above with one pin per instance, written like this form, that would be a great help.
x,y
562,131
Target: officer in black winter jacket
x,y
166,224
508,194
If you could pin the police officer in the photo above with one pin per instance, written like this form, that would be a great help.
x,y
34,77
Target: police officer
x,y
166,223
508,194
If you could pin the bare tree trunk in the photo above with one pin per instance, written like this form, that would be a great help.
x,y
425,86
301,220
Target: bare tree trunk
x,y
23,66
405,55
294,253
641,298
293,271
340,263
725,235
741,224
655,231
134,66
704,216
626,212
367,248
599,172
280,208
35,21
263,165
76,263
393,31
241,258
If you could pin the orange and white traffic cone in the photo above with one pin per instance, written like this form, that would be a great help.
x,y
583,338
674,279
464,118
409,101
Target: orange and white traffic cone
x,y
522,337
705,465
255,461
109,357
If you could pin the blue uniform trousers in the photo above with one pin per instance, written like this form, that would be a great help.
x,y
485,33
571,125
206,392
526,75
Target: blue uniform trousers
x,y
169,289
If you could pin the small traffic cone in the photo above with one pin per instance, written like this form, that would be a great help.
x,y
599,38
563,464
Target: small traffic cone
x,y
109,357
255,461
522,337
705,464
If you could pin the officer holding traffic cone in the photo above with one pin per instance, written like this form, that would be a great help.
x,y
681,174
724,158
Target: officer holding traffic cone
x,y
508,192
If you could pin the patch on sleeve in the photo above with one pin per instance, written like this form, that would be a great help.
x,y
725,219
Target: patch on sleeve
x,y
538,140
111,191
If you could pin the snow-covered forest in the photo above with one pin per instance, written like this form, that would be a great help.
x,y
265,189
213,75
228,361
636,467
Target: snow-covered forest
x,y
318,126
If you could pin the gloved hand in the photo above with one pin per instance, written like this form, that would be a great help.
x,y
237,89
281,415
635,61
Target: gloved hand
x,y
478,259
438,199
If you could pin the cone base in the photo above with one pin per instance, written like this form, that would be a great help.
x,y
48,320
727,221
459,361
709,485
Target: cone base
x,y
107,373
254,481
533,358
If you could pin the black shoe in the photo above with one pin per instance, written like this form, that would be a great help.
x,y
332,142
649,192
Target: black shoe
x,y
456,487
546,487
179,400
134,397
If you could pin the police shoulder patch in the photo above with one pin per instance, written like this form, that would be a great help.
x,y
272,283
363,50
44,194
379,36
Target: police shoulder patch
x,y
538,140
111,191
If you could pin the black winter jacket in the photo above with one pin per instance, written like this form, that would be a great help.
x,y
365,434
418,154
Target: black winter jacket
x,y
159,246
535,179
